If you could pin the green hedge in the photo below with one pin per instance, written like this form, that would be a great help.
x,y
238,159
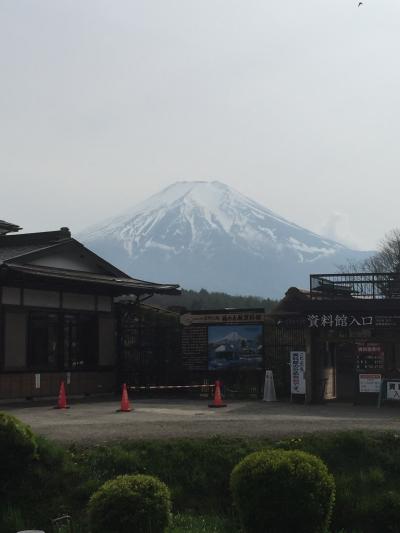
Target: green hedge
x,y
44,489
18,449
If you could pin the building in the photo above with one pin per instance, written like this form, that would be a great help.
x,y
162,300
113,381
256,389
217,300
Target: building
x,y
346,328
58,316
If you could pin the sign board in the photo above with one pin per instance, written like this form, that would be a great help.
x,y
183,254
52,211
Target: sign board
x,y
297,372
393,390
345,320
370,382
243,317
370,355
338,320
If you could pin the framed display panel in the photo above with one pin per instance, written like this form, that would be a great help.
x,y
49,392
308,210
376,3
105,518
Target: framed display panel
x,y
235,346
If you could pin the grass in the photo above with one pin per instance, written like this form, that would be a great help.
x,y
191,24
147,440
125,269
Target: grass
x,y
366,467
184,523
203,487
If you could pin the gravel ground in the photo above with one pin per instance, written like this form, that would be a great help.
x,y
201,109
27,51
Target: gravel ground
x,y
96,421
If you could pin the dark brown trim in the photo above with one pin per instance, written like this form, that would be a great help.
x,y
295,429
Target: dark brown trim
x,y
2,342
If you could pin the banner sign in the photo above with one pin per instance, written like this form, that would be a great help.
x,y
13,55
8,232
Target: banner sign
x,y
370,382
297,372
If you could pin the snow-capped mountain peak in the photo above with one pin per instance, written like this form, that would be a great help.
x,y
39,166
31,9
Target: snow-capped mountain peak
x,y
187,213
192,230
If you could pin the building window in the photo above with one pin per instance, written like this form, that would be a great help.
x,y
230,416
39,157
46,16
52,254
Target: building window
x,y
63,341
44,344
80,341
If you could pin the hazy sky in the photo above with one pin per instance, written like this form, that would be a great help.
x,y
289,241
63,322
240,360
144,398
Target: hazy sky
x,y
294,103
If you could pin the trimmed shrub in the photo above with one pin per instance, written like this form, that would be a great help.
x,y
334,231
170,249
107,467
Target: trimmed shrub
x,y
18,448
137,503
280,491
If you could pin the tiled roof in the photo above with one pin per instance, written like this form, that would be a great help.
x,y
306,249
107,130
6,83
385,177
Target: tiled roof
x,y
11,252
13,260
118,285
12,246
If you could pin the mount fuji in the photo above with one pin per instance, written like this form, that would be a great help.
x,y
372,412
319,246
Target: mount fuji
x,y
206,235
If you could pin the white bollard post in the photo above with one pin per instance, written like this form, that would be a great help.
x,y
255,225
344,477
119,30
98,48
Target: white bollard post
x,y
269,387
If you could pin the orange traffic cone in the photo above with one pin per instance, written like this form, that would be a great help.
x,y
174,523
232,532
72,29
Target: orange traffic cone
x,y
217,402
125,407
62,398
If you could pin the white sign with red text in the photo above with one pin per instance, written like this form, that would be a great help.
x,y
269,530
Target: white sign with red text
x,y
370,382
297,372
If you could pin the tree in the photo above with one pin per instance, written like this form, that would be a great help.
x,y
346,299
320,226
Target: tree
x,y
387,259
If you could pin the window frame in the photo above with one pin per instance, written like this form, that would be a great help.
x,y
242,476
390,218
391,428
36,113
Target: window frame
x,y
61,365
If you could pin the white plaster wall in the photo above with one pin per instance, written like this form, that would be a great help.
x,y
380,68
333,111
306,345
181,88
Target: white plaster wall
x,y
104,303
11,295
83,302
72,259
41,298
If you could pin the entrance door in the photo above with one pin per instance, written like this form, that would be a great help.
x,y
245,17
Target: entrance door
x,y
325,364
345,370
329,372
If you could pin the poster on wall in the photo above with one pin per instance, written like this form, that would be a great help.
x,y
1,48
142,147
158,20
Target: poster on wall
x,y
297,372
370,382
235,346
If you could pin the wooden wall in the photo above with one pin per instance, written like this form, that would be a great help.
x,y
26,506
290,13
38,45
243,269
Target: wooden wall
x,y
23,384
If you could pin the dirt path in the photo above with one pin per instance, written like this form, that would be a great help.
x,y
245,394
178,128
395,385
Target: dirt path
x,y
98,422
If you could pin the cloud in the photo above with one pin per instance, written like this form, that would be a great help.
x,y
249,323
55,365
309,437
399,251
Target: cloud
x,y
337,227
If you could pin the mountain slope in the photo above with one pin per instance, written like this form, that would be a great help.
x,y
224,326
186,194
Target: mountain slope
x,y
205,234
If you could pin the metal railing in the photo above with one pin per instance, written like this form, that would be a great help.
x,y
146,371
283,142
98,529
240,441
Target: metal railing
x,y
365,285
